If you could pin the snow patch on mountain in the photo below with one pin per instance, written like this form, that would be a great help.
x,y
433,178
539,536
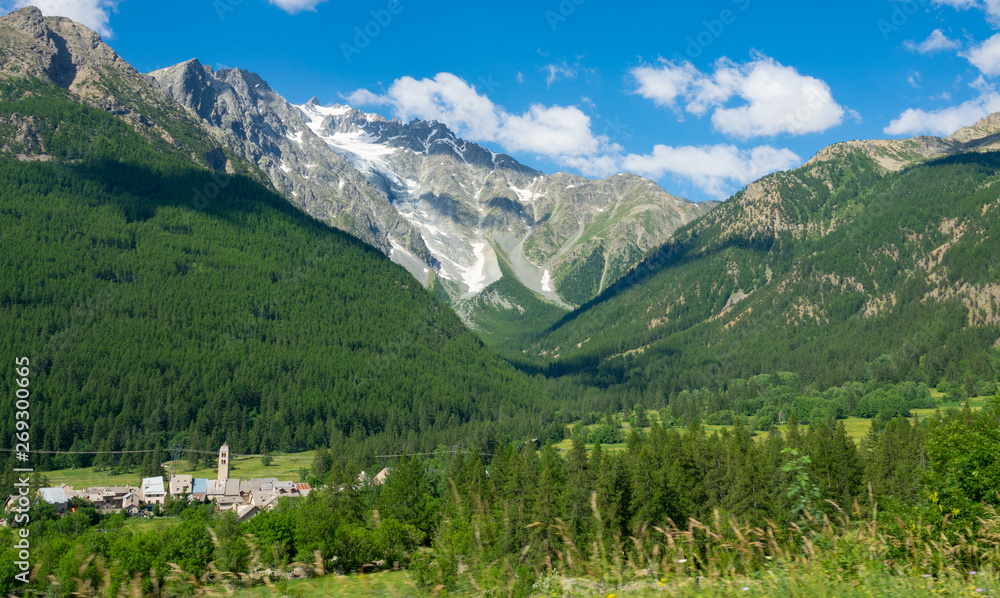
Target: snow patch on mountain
x,y
317,114
359,148
475,276
359,144
526,195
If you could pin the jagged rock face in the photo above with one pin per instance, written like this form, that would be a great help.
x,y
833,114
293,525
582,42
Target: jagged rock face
x,y
474,207
64,53
54,49
982,136
446,209
242,110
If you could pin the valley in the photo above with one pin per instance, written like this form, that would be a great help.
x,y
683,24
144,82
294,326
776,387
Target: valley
x,y
447,210
569,385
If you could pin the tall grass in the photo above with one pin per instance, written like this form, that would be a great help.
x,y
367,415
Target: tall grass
x,y
844,553
847,553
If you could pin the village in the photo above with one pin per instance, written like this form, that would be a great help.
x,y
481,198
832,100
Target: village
x,y
245,497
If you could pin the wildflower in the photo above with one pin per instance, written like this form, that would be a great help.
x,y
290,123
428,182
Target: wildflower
x,y
682,561
979,589
745,589
972,572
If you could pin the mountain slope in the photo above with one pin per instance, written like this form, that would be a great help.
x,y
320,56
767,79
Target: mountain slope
x,y
60,52
149,320
448,210
826,271
245,114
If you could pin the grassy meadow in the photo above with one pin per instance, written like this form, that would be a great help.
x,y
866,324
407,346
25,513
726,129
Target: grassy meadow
x,y
799,581
856,427
283,467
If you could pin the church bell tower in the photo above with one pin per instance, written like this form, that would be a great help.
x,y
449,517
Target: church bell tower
x,y
224,463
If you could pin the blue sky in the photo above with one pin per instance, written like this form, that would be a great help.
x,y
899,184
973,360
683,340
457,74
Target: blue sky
x,y
702,97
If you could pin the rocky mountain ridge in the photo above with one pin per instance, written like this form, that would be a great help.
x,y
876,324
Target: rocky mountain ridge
x,y
241,111
59,52
448,210
845,262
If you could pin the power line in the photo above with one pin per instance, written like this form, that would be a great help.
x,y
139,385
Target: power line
x,y
445,452
7,450
434,453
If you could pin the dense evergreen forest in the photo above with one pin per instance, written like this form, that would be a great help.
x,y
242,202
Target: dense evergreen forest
x,y
866,279
161,303
673,505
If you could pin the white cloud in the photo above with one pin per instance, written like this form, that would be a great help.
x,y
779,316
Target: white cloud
x,y
565,135
666,83
990,7
296,6
986,56
554,72
943,122
553,131
600,165
445,98
716,168
774,98
935,42
92,13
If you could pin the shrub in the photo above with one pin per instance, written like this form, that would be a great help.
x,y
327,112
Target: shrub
x,y
605,434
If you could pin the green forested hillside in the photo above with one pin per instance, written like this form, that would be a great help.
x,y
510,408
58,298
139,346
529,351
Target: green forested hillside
x,y
160,302
834,273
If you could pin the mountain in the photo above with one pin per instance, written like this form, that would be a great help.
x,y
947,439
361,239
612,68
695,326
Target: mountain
x,y
454,213
876,260
61,53
242,111
896,154
152,319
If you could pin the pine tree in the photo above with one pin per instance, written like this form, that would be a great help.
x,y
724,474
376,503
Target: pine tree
x,y
579,486
405,496
547,508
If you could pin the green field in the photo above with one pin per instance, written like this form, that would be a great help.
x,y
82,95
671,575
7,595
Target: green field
x,y
284,467
856,427
975,403
782,582
388,583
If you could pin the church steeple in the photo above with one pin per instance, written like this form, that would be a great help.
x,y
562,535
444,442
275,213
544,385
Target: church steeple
x,y
224,463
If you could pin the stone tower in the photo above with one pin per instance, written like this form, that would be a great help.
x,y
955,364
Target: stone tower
x,y
224,463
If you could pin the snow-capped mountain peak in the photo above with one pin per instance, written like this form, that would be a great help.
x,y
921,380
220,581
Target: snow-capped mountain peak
x,y
449,210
